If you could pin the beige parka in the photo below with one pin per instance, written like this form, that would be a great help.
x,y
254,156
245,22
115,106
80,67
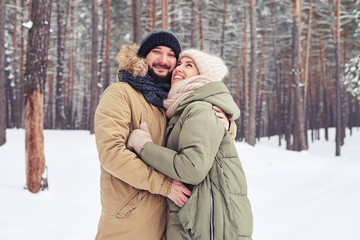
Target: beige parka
x,y
132,193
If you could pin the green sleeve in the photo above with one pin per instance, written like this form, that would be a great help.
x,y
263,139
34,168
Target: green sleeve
x,y
199,140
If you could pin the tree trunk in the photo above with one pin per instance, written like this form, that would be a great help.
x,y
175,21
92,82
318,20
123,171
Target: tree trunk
x,y
107,46
21,68
246,77
2,74
71,63
35,76
222,42
18,98
60,115
288,106
194,24
201,29
253,75
338,81
261,88
137,34
307,52
299,131
325,115
173,24
278,105
154,14
164,14
149,15
48,107
94,65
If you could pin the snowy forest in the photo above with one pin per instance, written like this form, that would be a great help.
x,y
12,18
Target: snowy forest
x,y
294,65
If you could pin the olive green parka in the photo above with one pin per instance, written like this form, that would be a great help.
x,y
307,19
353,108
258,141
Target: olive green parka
x,y
199,151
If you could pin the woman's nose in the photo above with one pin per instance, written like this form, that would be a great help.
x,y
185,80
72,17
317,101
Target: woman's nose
x,y
179,68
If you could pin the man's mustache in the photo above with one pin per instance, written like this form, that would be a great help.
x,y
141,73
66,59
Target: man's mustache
x,y
166,66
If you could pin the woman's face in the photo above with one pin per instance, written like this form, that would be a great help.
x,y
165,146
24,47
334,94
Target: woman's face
x,y
184,69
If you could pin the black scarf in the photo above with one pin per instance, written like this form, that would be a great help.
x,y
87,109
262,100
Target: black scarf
x,y
153,92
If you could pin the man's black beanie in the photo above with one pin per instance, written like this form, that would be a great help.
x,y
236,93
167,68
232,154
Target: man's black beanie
x,y
159,37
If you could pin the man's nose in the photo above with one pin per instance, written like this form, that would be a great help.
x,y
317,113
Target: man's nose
x,y
163,58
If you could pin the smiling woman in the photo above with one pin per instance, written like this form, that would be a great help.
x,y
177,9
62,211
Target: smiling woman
x,y
199,152
185,68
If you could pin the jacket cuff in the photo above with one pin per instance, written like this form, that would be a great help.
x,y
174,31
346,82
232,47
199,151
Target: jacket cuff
x,y
165,187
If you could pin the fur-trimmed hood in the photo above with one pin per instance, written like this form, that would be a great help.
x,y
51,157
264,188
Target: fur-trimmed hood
x,y
128,60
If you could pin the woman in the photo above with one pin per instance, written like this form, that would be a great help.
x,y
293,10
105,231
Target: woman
x,y
199,151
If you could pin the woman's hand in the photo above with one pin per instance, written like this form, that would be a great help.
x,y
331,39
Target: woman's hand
x,y
138,138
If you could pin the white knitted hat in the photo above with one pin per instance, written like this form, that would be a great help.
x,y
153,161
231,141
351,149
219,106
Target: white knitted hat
x,y
208,65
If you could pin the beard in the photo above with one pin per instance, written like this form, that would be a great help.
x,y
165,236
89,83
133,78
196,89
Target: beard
x,y
159,79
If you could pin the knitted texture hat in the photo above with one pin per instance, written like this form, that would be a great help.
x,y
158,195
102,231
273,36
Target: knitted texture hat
x,y
159,37
208,65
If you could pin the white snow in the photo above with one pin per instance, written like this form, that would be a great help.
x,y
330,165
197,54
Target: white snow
x,y
28,24
308,195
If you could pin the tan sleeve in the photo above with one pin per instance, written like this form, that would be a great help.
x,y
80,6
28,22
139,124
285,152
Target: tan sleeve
x,y
112,128
232,129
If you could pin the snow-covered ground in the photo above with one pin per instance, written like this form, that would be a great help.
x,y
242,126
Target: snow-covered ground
x,y
307,195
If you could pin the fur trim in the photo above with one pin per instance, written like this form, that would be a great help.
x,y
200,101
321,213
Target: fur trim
x,y
128,60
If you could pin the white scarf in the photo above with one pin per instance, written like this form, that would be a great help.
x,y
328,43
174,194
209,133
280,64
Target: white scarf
x,y
181,90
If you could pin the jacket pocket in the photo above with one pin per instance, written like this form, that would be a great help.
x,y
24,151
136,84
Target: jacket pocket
x,y
131,204
187,214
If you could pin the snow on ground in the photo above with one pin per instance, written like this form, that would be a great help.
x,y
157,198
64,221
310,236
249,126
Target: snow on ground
x,y
308,195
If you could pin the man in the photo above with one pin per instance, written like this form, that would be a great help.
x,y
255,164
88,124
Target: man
x,y
132,193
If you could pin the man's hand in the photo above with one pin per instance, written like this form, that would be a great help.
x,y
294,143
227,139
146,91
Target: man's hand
x,y
179,193
222,117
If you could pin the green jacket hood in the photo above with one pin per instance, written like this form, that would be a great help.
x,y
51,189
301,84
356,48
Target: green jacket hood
x,y
217,94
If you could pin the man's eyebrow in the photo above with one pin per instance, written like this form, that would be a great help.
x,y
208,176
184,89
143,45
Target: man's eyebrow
x,y
159,47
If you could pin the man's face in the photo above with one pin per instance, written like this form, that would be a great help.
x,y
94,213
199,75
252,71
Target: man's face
x,y
161,61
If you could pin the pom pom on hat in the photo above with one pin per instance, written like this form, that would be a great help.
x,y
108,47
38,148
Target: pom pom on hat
x,y
159,37
207,64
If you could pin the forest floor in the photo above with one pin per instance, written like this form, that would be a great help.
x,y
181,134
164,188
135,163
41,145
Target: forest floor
x,y
306,195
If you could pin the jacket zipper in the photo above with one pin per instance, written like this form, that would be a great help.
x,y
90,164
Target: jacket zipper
x,y
168,134
211,214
